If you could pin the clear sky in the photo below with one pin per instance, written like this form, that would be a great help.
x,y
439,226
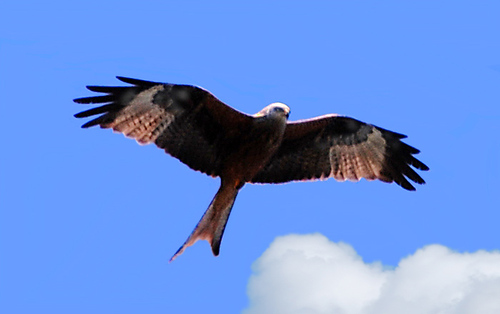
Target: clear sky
x,y
89,219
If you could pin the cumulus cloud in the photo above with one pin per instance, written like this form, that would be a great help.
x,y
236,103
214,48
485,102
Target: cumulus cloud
x,y
308,274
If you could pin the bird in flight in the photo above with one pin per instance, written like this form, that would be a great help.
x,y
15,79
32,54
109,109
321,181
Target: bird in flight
x,y
207,135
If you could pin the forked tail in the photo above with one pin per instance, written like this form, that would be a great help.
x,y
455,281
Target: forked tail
x,y
212,224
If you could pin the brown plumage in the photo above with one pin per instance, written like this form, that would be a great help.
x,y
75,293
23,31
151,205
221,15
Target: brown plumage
x,y
192,125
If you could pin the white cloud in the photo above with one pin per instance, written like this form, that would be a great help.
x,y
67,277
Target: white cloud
x,y
308,274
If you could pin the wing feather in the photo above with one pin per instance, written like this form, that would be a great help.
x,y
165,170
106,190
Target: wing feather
x,y
187,122
342,148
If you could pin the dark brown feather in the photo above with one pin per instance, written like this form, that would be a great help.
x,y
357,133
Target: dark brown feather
x,y
343,148
187,122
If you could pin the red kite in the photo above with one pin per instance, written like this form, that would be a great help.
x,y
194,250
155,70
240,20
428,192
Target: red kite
x,y
192,125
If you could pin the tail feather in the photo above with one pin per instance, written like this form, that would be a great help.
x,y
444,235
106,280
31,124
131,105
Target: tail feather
x,y
213,223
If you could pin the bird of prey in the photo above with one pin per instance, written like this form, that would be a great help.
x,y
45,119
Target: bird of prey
x,y
207,135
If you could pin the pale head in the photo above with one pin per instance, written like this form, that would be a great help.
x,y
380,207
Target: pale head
x,y
274,110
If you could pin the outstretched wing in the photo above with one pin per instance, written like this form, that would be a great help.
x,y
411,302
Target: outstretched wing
x,y
187,122
342,148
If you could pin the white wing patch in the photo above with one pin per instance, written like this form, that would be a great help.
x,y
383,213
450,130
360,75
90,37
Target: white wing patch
x,y
142,119
362,160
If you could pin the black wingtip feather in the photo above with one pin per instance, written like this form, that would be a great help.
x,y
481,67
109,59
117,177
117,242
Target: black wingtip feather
x,y
401,160
97,110
113,101
412,175
137,82
418,164
396,172
407,186
95,99
102,121
80,100
90,124
107,89
412,150
391,133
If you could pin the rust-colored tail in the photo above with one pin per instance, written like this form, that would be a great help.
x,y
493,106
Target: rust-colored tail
x,y
212,224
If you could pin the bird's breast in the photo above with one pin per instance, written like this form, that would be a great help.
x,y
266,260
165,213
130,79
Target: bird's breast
x,y
252,151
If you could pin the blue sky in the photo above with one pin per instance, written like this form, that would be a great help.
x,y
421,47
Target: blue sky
x,y
89,219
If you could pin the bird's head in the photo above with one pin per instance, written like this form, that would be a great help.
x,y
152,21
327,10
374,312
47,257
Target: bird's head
x,y
274,110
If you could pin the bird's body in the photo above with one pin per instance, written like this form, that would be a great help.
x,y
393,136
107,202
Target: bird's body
x,y
252,149
254,146
192,125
